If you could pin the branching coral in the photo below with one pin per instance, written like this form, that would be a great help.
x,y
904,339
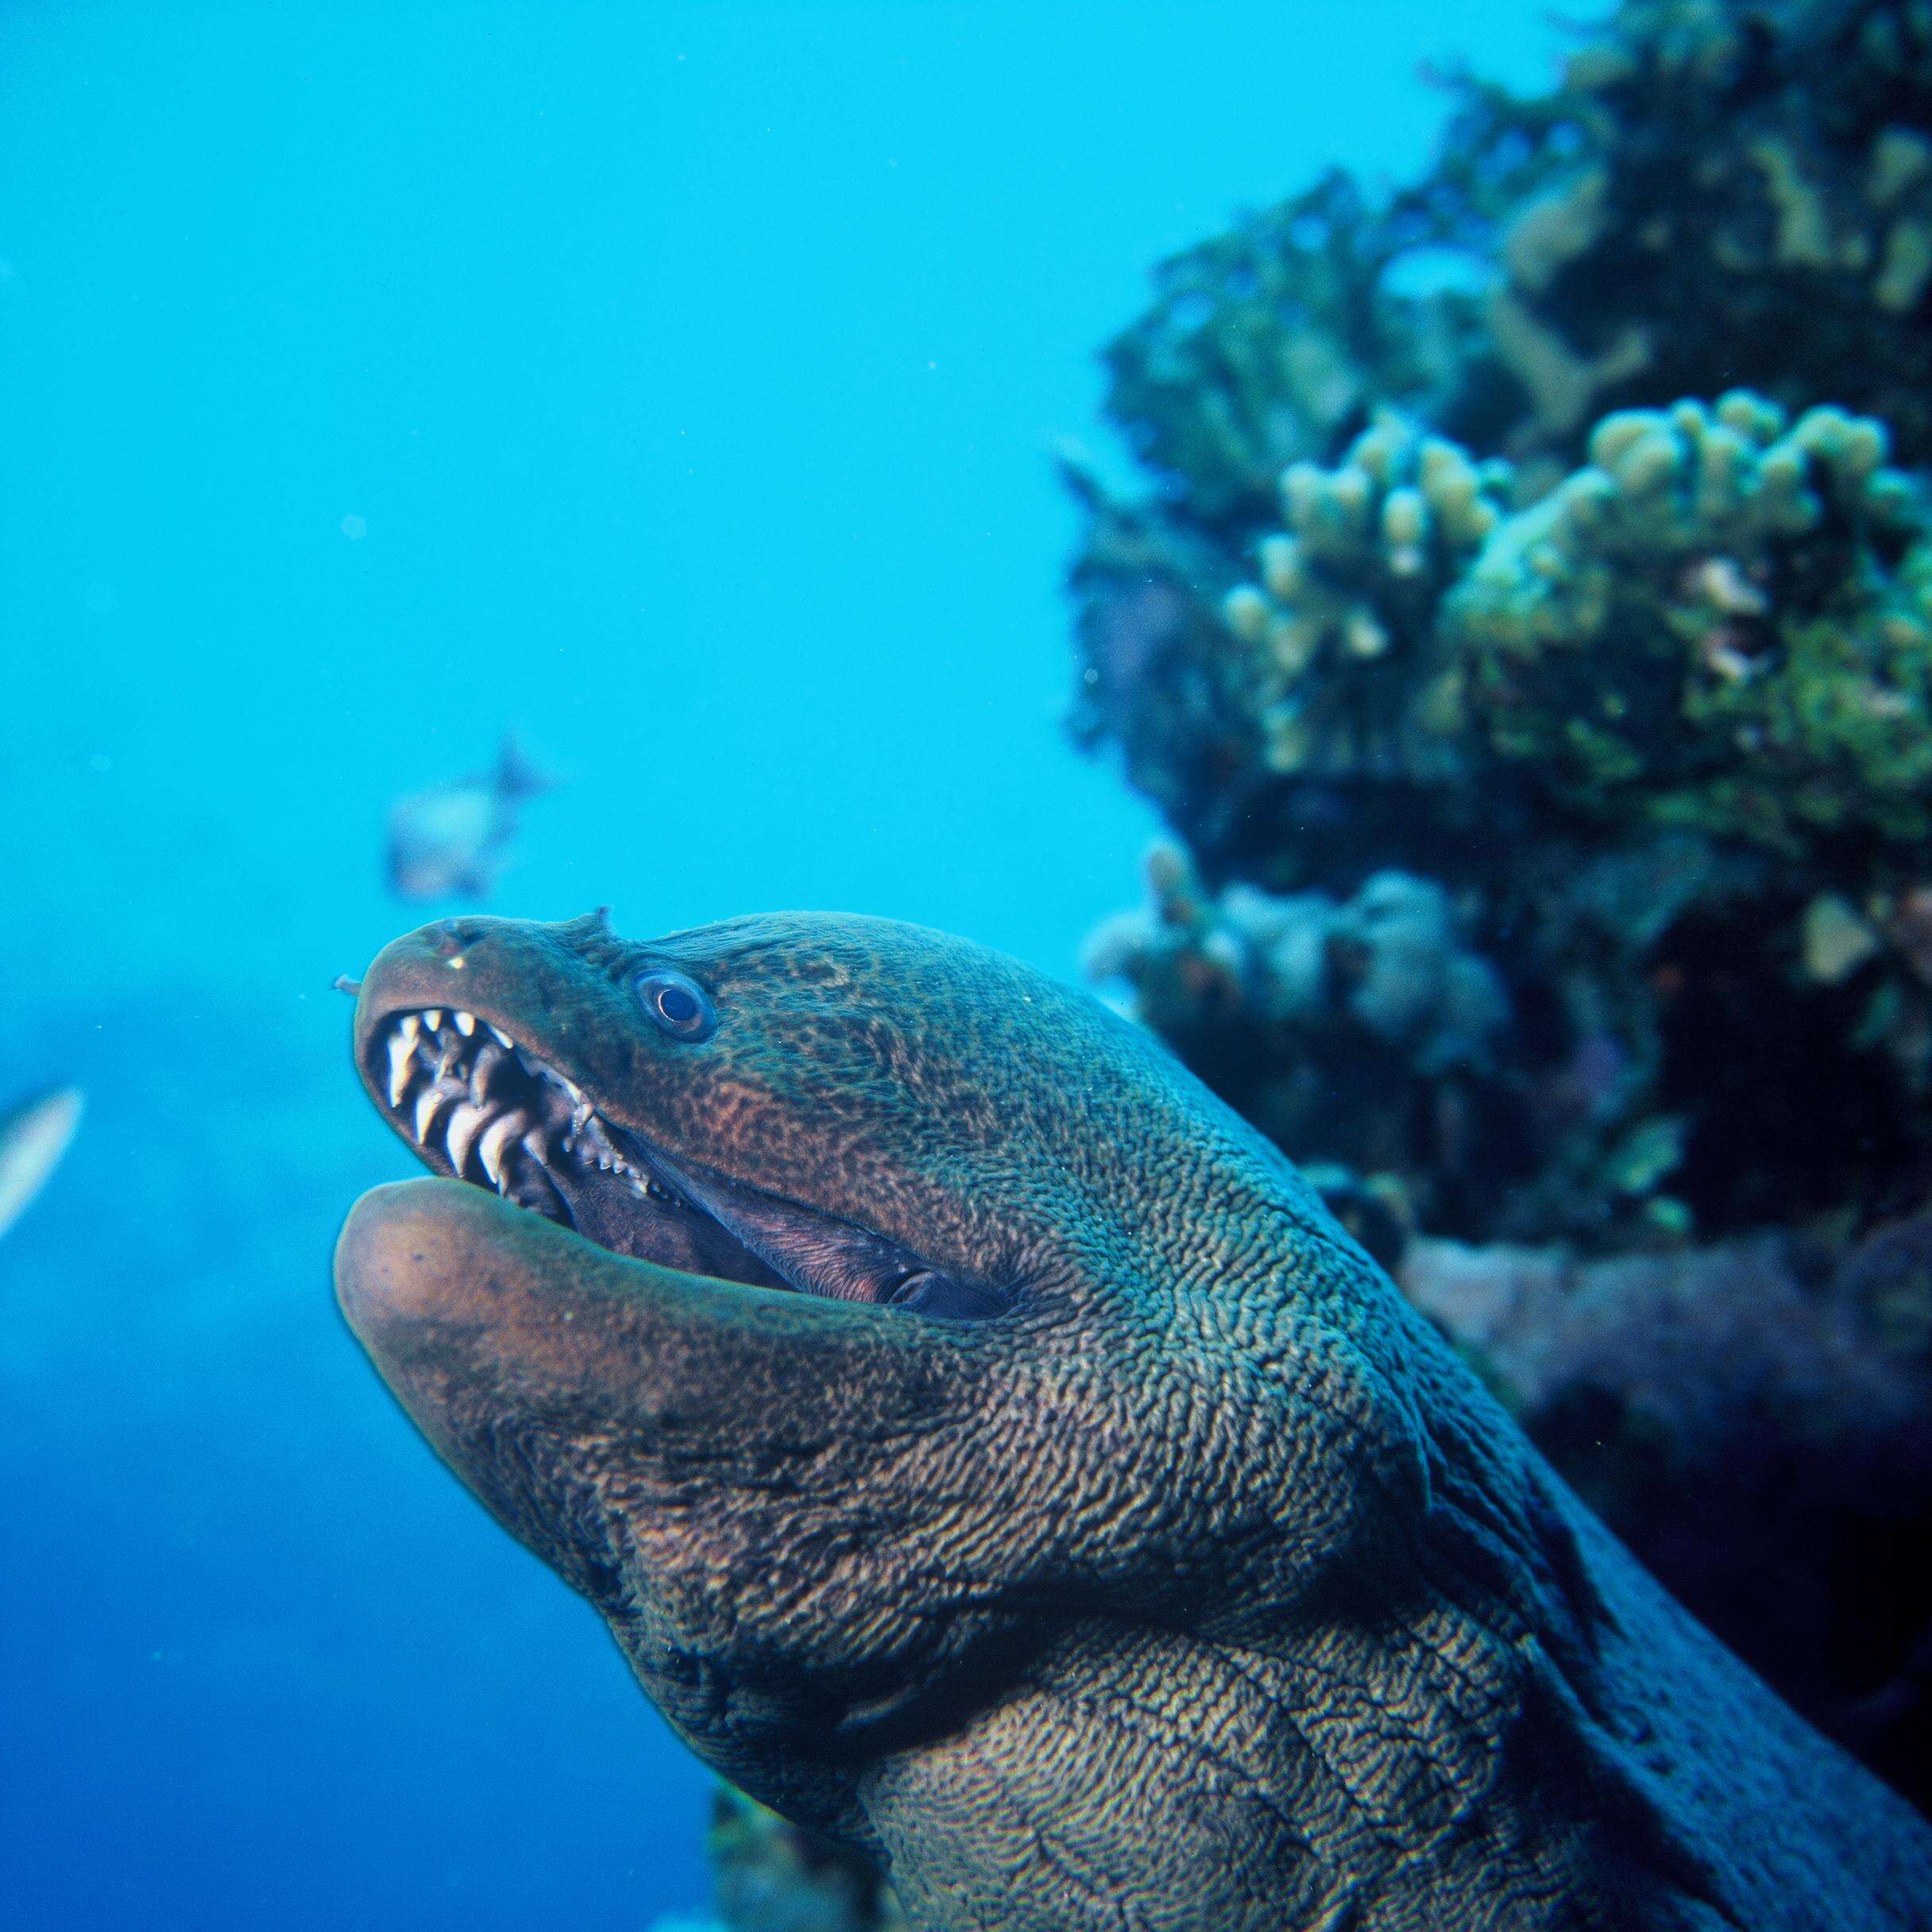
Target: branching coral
x,y
1724,621
1346,637
1706,653
1340,629
1718,192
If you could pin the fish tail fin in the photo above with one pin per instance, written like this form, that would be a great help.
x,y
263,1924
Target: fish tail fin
x,y
517,777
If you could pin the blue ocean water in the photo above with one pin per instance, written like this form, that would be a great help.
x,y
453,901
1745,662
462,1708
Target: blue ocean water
x,y
675,383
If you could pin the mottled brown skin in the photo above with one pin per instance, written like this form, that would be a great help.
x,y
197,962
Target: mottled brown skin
x,y
1204,1587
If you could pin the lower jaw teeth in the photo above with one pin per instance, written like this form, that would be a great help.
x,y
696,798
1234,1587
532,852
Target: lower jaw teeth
x,y
429,1103
496,1137
531,1188
467,1121
488,1059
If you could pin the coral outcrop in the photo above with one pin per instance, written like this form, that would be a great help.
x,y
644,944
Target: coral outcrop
x,y
1655,748
1748,1410
1363,1030
1717,193
1526,634
1723,622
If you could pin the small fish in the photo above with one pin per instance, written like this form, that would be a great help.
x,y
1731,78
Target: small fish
x,y
32,1139
451,840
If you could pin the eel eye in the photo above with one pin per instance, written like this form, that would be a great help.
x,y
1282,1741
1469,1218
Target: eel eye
x,y
679,1005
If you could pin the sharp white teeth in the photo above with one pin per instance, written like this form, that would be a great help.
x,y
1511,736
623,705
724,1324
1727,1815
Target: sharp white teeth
x,y
465,1123
428,1103
466,1022
501,1131
571,1088
503,1039
402,1051
411,1028
580,1113
432,1017
489,1058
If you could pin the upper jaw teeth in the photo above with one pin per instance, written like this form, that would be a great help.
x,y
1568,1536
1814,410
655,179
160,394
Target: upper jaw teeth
x,y
496,1113
402,1053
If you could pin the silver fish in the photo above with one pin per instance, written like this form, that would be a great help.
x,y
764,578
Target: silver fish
x,y
32,1139
451,840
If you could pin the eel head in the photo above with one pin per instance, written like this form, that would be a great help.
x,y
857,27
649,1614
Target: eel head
x,y
853,1315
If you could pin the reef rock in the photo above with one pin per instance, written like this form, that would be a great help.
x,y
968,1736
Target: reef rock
x,y
1752,1416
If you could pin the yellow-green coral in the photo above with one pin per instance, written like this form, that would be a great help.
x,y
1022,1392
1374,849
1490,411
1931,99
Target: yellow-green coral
x,y
1724,620
1339,628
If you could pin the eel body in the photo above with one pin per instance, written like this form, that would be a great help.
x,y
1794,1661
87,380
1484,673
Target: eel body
x,y
985,1447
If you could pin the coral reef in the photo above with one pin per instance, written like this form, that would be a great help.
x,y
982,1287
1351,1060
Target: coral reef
x,y
1526,634
1264,344
1340,627
772,1876
1718,193
1724,621
1717,190
1362,1031
1729,1406
1570,674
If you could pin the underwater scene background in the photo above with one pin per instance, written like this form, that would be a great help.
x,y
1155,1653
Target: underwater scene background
x,y
1500,589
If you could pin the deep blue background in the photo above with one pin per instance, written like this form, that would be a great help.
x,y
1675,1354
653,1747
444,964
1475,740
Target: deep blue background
x,y
692,371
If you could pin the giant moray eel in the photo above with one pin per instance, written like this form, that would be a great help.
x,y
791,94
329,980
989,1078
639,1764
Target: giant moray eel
x,y
985,1447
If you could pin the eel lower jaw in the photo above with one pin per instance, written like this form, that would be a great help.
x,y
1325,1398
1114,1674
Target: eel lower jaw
x,y
480,1107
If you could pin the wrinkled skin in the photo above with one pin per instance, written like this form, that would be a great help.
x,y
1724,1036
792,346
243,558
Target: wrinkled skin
x,y
1200,1586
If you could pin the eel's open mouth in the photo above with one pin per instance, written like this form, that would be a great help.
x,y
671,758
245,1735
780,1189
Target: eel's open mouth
x,y
482,1107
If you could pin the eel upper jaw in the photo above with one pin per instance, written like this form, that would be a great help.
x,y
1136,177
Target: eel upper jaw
x,y
481,1106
